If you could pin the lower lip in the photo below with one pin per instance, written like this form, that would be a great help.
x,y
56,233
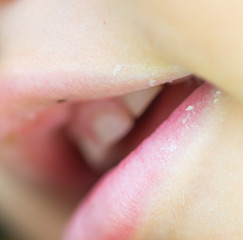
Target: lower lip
x,y
115,206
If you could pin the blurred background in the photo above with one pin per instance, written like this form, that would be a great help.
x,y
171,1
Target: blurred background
x,y
29,212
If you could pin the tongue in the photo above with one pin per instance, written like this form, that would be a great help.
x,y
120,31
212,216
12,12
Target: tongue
x,y
115,207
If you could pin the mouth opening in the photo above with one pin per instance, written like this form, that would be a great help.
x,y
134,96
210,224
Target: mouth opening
x,y
172,95
162,135
57,157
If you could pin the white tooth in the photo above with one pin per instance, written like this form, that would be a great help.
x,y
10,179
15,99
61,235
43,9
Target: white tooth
x,y
138,102
98,126
110,126
94,153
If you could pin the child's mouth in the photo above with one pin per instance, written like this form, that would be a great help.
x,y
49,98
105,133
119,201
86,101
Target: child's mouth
x,y
155,146
64,161
114,208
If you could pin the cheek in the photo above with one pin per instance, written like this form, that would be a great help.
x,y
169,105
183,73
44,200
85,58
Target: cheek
x,y
200,199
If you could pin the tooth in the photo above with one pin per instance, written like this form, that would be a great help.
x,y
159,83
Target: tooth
x,y
109,126
94,153
98,127
138,102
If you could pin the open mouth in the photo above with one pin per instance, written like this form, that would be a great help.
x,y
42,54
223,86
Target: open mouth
x,y
76,151
144,111
153,146
136,161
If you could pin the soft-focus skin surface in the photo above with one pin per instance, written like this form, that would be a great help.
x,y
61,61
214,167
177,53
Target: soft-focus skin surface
x,y
204,36
79,49
53,50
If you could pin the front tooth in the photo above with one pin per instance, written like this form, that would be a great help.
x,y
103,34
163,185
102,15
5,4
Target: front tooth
x,y
108,127
99,125
94,153
138,102
111,125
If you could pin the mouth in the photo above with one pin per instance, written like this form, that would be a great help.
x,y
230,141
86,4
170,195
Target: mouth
x,y
118,180
150,152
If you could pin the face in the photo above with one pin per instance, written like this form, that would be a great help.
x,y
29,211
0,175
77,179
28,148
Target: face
x,y
84,87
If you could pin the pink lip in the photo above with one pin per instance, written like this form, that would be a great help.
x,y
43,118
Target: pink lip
x,y
115,206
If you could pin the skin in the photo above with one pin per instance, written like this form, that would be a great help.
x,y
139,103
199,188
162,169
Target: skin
x,y
206,42
137,35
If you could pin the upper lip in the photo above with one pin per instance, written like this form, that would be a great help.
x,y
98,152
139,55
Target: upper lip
x,y
44,88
